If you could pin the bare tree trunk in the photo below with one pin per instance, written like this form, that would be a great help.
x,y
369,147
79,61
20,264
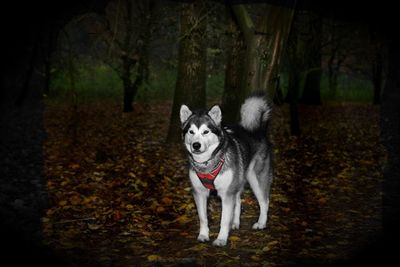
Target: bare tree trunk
x,y
191,80
47,52
312,89
137,65
295,63
336,58
377,76
131,87
264,45
128,63
251,57
72,73
277,26
234,69
332,75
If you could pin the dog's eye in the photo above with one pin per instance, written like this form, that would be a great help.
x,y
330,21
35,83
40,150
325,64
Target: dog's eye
x,y
191,132
206,132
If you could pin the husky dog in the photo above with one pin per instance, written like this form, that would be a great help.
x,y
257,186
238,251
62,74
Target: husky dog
x,y
223,158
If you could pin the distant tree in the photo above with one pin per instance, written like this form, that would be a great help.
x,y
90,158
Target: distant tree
x,y
123,35
363,53
47,51
192,60
312,89
294,57
377,65
335,38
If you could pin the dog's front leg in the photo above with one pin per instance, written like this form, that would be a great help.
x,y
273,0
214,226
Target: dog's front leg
x,y
200,197
226,219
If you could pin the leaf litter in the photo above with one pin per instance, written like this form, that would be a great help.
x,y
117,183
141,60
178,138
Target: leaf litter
x,y
119,195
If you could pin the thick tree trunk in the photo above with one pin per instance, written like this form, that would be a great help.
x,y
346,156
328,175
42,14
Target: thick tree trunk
x,y
251,59
135,69
311,93
295,63
277,27
264,46
261,53
191,79
233,72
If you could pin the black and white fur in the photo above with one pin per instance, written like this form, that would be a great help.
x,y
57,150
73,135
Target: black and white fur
x,y
248,157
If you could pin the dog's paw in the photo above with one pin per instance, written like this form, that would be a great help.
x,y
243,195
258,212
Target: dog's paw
x,y
203,238
219,242
259,226
235,226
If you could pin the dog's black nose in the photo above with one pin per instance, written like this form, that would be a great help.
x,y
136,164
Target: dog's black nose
x,y
196,146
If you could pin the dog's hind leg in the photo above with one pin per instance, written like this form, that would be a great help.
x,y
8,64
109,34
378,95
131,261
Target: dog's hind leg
x,y
236,213
259,178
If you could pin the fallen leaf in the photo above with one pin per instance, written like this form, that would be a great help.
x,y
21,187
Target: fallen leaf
x,y
154,257
234,238
93,226
167,201
183,219
199,247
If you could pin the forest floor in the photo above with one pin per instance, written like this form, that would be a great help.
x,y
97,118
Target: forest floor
x,y
120,196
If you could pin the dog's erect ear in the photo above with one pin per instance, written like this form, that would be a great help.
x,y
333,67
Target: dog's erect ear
x,y
185,113
215,114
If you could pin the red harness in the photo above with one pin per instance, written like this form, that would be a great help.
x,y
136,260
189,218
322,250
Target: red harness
x,y
207,179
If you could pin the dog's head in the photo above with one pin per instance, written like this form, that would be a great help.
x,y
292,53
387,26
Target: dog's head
x,y
201,131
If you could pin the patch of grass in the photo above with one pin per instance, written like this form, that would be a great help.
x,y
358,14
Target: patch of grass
x,y
349,89
97,81
162,85
92,82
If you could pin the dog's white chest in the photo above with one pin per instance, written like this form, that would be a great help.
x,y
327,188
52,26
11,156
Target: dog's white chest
x,y
223,180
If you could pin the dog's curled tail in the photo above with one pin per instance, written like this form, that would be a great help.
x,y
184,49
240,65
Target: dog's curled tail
x,y
255,112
